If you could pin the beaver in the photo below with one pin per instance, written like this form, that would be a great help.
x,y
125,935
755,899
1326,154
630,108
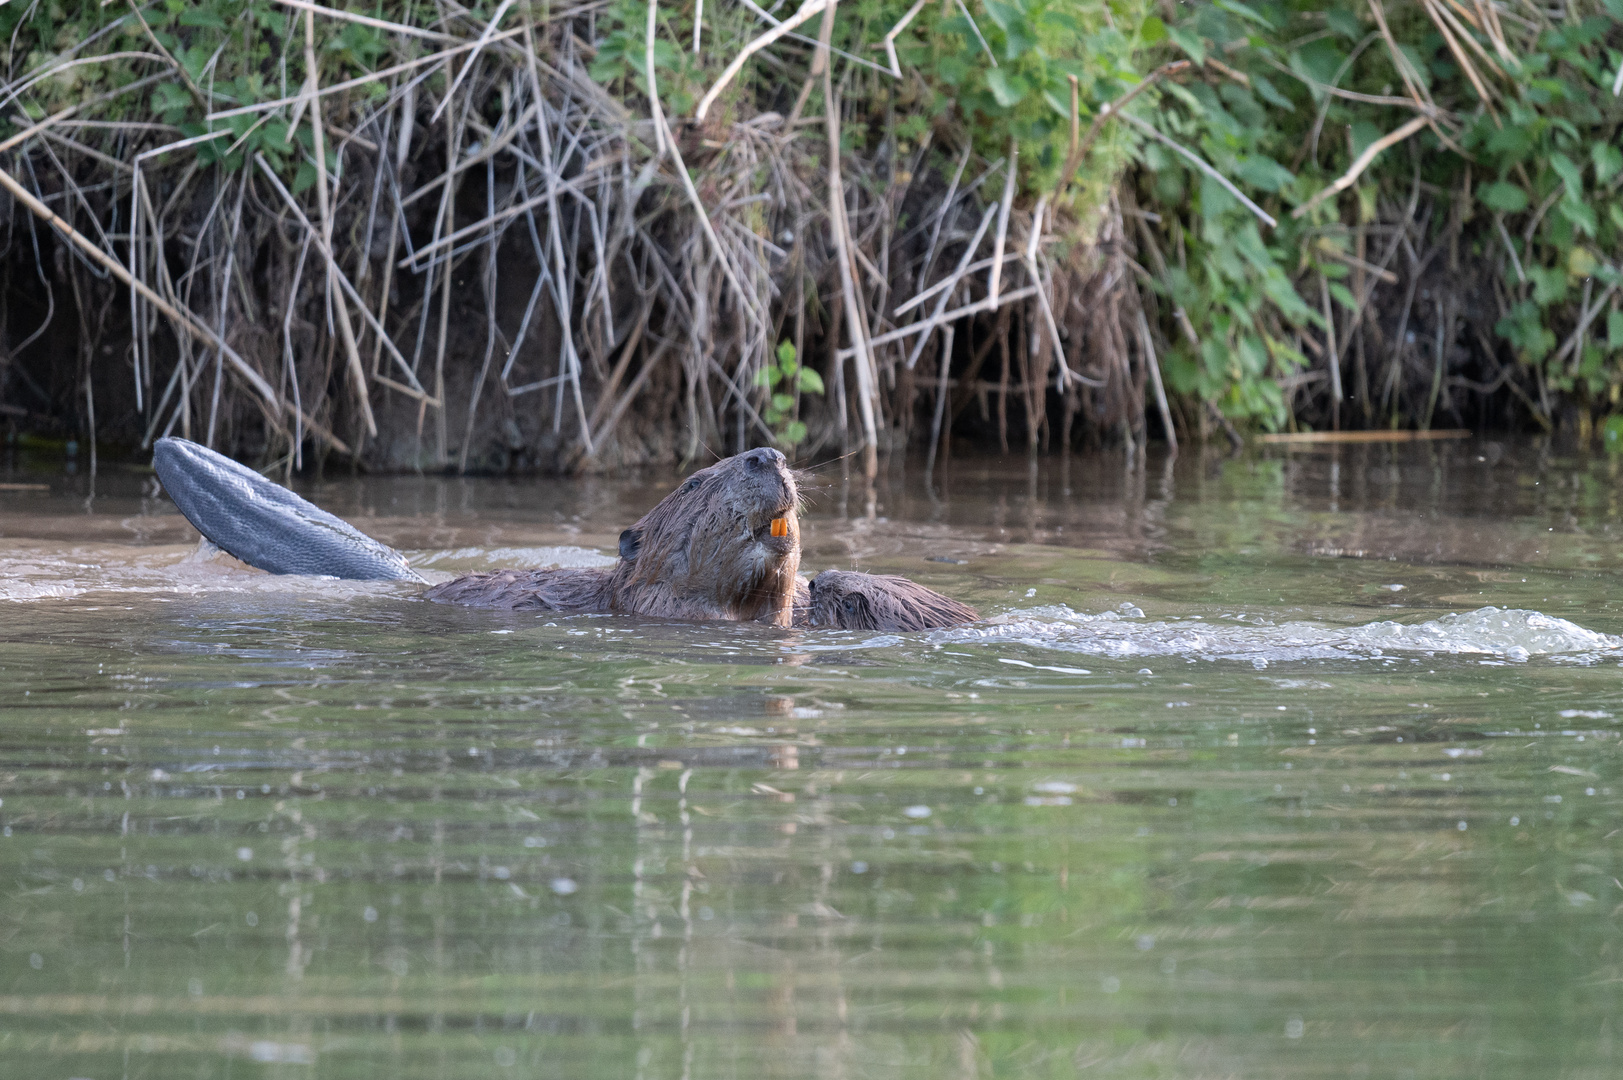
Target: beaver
x,y
847,600
725,545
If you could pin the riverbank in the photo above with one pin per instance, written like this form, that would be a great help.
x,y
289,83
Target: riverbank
x,y
476,239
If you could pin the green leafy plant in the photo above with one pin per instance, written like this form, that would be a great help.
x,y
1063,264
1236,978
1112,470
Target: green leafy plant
x,y
785,381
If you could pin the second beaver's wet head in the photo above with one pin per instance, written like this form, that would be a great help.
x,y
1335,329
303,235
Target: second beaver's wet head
x,y
728,538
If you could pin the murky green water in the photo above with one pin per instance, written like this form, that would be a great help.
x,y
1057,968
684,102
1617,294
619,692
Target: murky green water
x,y
258,826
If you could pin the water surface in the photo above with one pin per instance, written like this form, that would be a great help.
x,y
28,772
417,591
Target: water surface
x,y
1300,764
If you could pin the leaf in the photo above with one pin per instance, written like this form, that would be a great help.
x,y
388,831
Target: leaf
x,y
1569,172
201,17
1612,434
1506,198
1009,90
786,352
1193,45
1549,284
765,377
1345,23
1343,296
1581,262
1005,15
810,381
783,402
1608,160
793,432
1265,173
1234,7
304,178
1152,30
1580,213
1270,93
1614,329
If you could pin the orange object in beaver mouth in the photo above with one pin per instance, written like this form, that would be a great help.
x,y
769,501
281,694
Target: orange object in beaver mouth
x,y
780,526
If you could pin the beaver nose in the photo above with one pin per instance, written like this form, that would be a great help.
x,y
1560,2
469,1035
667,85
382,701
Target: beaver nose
x,y
764,458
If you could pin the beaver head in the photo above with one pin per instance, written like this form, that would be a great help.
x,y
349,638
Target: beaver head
x,y
851,601
723,545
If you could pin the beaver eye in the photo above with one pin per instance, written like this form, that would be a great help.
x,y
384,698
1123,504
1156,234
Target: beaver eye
x,y
851,605
692,484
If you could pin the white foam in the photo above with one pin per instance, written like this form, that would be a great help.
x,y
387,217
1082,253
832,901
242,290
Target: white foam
x,y
1505,634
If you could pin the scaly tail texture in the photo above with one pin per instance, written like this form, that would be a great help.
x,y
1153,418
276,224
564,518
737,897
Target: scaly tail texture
x,y
266,525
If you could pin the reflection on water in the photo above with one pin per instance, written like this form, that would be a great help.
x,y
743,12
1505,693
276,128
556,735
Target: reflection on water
x,y
1296,765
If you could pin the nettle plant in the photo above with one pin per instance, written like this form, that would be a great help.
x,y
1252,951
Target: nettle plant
x,y
785,380
1028,67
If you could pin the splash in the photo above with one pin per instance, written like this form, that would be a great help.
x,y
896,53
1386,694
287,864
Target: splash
x,y
1501,634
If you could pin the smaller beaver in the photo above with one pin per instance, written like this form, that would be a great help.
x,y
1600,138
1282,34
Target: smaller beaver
x,y
846,600
725,545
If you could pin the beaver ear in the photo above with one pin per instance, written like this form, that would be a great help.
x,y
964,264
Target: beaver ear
x,y
630,544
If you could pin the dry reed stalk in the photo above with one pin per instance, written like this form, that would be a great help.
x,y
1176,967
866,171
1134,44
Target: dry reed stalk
x,y
345,328
627,237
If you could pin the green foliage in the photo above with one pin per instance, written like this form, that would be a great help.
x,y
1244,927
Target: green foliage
x,y
785,381
1016,86
1538,166
229,52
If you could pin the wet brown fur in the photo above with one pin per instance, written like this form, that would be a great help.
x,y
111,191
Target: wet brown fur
x,y
847,600
704,552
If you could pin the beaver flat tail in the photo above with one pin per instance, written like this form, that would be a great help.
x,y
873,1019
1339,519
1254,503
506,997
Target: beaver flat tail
x,y
266,525
846,600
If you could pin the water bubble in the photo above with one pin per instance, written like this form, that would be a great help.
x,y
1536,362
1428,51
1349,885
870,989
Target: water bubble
x,y
535,841
1587,791
1110,984
109,874
501,873
1462,826
888,833
252,918
1054,787
194,987
246,854
79,883
1145,671
1145,942
369,914
1515,820
1030,593
240,794
564,886
36,961
1169,966
506,1056
1294,1028
859,867
980,791
706,914
917,811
